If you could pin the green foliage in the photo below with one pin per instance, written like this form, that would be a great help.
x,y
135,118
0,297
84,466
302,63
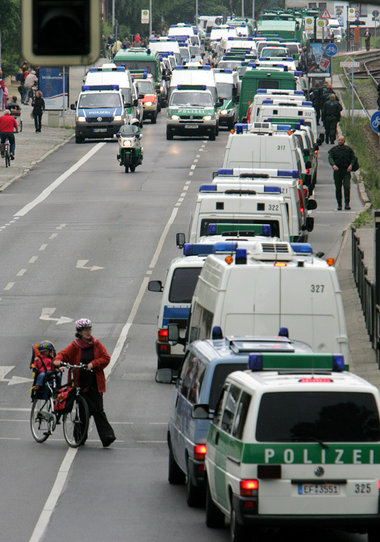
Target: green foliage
x,y
10,35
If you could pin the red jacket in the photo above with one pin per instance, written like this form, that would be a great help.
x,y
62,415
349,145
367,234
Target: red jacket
x,y
39,362
8,124
72,354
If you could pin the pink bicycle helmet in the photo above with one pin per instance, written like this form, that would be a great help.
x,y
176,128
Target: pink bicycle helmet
x,y
83,323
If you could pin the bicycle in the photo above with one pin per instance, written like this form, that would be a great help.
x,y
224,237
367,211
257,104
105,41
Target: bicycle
x,y
6,152
44,417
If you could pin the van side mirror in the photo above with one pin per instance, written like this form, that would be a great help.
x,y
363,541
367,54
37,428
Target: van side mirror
x,y
180,240
310,223
135,102
72,107
321,139
316,147
155,286
200,412
308,164
311,205
219,102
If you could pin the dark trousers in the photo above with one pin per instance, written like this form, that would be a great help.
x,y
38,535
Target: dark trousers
x,y
11,137
95,404
37,121
330,127
342,179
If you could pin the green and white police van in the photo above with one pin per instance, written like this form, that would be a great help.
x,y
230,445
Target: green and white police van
x,y
227,84
294,440
192,112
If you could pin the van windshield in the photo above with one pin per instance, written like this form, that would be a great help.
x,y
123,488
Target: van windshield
x,y
221,372
318,416
183,284
145,87
225,90
99,99
274,226
192,98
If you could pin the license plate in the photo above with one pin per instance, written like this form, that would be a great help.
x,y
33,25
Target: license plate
x,y
191,126
318,489
100,130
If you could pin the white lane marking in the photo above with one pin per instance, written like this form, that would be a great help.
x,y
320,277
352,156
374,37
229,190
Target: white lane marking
x,y
12,409
42,247
47,312
9,286
195,160
188,182
193,166
162,238
55,184
149,272
191,173
151,441
183,194
64,469
21,273
53,235
81,264
185,188
197,156
33,259
60,227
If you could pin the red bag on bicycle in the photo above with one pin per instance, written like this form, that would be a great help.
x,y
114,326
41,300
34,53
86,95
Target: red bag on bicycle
x,y
65,400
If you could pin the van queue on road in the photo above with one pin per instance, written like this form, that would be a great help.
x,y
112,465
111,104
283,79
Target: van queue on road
x,y
292,436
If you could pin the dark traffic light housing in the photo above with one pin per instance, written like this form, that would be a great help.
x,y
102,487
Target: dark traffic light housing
x,y
61,32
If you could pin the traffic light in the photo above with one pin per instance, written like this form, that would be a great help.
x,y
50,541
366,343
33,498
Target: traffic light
x,y
61,32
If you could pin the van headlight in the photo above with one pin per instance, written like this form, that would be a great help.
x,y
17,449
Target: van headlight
x,y
117,118
174,117
207,117
224,112
148,103
81,119
127,143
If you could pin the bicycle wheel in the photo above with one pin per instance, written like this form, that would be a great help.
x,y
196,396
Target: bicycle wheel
x,y
75,423
42,419
7,158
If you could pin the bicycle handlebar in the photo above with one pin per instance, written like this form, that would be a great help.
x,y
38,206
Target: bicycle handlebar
x,y
82,366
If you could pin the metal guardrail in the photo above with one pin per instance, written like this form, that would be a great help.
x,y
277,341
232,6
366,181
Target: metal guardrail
x,y
367,293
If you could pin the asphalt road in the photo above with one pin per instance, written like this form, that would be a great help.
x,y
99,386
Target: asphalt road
x,y
88,249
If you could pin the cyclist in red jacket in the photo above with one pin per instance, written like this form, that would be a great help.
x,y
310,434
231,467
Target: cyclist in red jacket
x,y
8,125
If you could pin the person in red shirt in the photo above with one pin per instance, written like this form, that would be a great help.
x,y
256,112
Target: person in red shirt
x,y
8,125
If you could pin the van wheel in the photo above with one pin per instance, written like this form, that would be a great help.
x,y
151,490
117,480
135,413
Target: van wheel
x,y
132,168
79,139
169,135
195,496
175,475
214,517
238,533
212,135
126,169
154,119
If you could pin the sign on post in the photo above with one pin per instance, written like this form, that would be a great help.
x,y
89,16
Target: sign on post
x,y
349,62
325,14
309,24
331,49
351,15
145,16
375,122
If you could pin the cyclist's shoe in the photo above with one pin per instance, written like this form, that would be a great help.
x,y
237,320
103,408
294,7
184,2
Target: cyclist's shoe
x,y
12,156
58,422
107,442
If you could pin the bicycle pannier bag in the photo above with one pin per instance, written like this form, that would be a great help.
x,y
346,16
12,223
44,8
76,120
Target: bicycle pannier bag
x,y
65,400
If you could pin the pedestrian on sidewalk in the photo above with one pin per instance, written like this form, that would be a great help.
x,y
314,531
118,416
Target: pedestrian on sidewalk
x,y
367,39
38,108
342,158
2,87
330,117
30,82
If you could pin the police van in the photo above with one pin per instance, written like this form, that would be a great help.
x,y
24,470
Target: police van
x,y
275,111
260,99
243,210
300,223
192,112
201,379
294,441
257,291
263,145
202,76
100,112
227,84
179,284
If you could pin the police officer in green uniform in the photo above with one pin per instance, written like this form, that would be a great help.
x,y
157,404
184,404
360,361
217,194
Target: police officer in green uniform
x,y
341,158
331,116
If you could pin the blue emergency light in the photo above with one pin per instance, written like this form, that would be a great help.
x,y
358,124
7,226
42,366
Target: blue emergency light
x,y
302,248
179,68
239,128
283,127
100,87
267,101
272,189
216,333
223,171
288,173
298,74
208,188
197,249
241,256
284,332
307,103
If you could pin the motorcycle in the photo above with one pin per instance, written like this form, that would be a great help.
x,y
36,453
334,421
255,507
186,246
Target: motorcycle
x,y
130,153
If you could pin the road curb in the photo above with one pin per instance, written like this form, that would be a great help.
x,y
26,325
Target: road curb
x,y
34,163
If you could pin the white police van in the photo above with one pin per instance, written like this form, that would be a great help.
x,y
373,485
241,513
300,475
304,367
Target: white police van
x,y
295,440
257,291
178,288
285,110
201,379
100,112
212,208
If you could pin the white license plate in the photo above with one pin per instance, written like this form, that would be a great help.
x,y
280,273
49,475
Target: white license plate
x,y
100,130
191,126
318,489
